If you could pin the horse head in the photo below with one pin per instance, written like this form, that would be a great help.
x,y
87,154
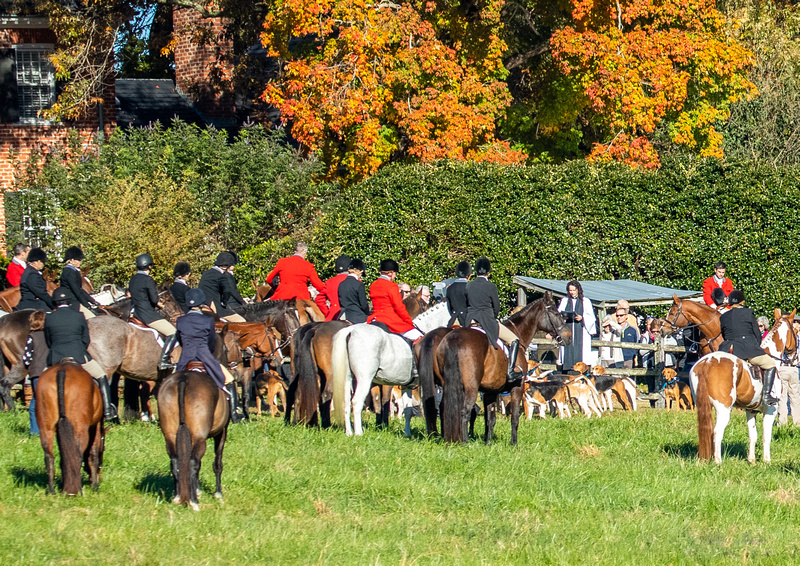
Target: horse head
x,y
781,340
171,308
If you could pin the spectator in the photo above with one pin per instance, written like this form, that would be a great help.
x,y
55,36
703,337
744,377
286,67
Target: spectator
x,y
610,331
763,325
423,294
628,333
405,290
623,304
790,386
718,280
581,321
18,264
654,327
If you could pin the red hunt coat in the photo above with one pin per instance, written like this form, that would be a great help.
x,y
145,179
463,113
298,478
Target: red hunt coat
x,y
709,285
388,307
295,273
330,293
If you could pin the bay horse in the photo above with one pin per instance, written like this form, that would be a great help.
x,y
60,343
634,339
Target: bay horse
x,y
468,364
191,409
684,313
9,298
14,330
69,407
723,381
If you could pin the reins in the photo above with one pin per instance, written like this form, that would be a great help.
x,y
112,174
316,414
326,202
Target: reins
x,y
689,324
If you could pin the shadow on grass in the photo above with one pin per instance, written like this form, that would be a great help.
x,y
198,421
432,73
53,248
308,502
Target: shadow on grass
x,y
688,450
24,477
161,485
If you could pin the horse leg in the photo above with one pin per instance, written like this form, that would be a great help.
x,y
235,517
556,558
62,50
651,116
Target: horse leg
x,y
219,445
766,425
247,380
363,386
516,401
489,416
468,415
752,436
95,437
130,397
386,400
723,418
198,451
15,375
46,438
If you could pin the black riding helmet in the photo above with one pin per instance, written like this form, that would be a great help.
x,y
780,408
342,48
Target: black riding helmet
x,y
37,254
463,269
718,296
736,297
358,264
63,296
74,252
225,259
482,266
143,261
181,269
195,297
342,263
390,265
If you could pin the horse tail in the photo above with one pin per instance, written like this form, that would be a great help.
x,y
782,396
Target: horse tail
x,y
453,396
67,445
426,383
340,362
705,430
306,375
183,445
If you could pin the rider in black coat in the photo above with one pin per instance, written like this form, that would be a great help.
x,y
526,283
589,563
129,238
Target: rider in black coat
x,y
220,288
740,331
32,286
352,295
144,299
67,335
178,289
72,279
457,295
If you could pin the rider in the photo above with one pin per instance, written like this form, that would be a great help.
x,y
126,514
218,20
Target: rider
x,y
483,306
219,288
457,294
352,296
387,306
32,286
198,338
330,293
740,331
718,280
18,264
179,287
720,300
144,300
67,336
72,279
295,273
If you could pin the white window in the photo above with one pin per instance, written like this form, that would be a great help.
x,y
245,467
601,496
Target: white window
x,y
36,85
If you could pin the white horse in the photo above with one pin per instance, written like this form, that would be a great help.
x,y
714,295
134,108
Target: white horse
x,y
723,381
368,354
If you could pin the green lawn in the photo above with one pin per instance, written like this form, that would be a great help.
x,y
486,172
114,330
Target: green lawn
x,y
624,489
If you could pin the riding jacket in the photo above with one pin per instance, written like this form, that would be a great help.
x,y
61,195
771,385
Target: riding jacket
x,y
67,335
330,293
33,291
295,273
483,306
353,299
71,278
220,290
740,330
457,302
14,271
178,290
388,307
710,284
144,297
198,339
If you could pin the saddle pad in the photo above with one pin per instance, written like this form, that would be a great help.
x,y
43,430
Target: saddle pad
x,y
435,317
148,329
195,366
500,343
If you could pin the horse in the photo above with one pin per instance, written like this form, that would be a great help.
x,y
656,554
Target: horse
x,y
192,408
684,313
469,364
281,315
69,406
414,305
9,298
724,381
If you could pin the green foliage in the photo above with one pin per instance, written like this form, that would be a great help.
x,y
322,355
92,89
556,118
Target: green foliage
x,y
576,220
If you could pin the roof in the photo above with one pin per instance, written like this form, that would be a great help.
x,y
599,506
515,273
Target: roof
x,y
604,294
142,102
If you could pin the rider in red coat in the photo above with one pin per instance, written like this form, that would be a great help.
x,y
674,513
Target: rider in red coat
x,y
328,299
17,265
716,281
295,274
387,306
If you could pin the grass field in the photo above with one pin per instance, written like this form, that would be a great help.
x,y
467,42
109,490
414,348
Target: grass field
x,y
624,489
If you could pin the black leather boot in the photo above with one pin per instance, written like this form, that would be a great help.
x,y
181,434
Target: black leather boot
x,y
766,395
109,410
233,401
169,345
514,375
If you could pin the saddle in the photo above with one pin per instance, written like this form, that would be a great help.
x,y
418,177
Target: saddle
x,y
196,366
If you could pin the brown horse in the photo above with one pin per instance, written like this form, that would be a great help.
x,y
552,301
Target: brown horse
x,y
14,331
9,298
69,407
469,364
414,305
191,409
725,381
684,313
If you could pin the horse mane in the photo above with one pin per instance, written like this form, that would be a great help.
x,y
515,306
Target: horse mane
x,y
516,317
264,308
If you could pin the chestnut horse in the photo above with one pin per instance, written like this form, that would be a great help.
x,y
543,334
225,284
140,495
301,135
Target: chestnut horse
x,y
69,407
723,381
468,363
684,313
191,408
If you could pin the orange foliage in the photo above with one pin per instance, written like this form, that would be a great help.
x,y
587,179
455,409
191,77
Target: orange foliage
x,y
364,82
640,62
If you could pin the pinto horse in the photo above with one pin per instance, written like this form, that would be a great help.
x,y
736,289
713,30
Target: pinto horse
x,y
191,409
723,381
69,407
468,363
684,313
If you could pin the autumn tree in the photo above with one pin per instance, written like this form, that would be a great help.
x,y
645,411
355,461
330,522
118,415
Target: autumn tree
x,y
364,83
638,64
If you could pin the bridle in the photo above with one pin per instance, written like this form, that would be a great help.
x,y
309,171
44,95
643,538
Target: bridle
x,y
556,327
791,359
689,324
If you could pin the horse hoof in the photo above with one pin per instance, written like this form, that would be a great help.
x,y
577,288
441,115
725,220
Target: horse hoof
x,y
218,495
194,506
176,500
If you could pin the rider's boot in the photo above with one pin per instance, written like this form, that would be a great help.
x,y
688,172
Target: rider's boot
x,y
233,400
514,375
769,379
169,345
109,410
